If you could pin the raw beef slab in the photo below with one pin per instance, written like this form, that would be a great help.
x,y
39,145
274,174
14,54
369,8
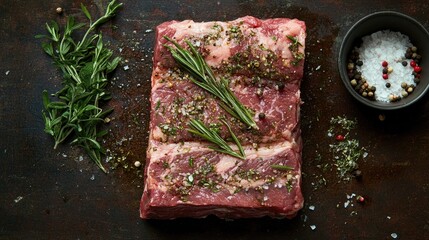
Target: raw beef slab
x,y
263,60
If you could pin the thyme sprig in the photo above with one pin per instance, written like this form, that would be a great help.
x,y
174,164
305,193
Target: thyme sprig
x,y
85,65
192,62
198,128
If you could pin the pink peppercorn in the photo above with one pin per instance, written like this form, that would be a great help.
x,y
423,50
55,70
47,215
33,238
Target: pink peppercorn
x,y
385,76
417,69
340,137
384,64
360,199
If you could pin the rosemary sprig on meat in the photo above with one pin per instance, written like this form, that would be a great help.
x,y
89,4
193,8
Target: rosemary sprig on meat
x,y
198,128
202,75
85,65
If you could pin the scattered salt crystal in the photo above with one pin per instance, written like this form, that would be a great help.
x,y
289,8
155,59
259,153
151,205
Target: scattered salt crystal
x,y
365,154
318,67
351,196
313,227
126,67
312,207
138,84
148,30
120,50
19,198
80,158
265,198
388,217
92,177
64,155
191,178
7,72
394,235
346,204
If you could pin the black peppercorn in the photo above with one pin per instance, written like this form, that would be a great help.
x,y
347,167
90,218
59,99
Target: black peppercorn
x,y
408,55
416,80
261,116
358,76
388,85
404,63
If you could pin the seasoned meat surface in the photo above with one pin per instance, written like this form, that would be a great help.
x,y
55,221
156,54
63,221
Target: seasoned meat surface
x,y
263,62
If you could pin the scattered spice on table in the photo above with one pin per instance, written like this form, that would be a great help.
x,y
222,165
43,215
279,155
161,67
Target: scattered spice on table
x,y
346,150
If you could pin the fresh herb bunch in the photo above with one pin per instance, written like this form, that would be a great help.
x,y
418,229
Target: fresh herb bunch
x,y
85,65
198,128
192,62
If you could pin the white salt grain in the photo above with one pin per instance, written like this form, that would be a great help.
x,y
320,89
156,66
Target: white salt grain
x,y
346,204
394,235
390,47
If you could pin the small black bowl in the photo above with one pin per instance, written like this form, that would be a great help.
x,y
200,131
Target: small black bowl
x,y
394,21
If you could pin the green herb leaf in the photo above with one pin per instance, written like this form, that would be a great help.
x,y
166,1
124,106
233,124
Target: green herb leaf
x,y
85,11
281,167
294,48
46,100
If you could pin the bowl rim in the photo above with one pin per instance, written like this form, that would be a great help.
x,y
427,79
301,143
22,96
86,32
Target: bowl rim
x,y
345,78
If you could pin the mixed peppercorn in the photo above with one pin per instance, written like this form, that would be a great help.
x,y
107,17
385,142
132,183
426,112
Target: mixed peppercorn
x,y
360,84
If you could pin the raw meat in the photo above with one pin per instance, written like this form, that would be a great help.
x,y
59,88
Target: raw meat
x,y
263,60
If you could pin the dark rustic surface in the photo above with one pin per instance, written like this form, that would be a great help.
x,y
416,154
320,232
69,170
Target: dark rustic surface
x,y
47,194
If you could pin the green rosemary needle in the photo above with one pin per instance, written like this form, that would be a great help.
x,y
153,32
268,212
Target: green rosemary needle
x,y
198,128
281,167
85,64
192,62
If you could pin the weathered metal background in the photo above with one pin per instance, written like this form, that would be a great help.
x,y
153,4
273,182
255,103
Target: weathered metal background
x,y
47,194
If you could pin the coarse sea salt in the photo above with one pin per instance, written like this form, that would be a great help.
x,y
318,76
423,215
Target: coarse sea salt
x,y
386,46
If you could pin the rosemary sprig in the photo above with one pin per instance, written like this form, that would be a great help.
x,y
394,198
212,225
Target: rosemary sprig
x,y
198,128
192,62
85,65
